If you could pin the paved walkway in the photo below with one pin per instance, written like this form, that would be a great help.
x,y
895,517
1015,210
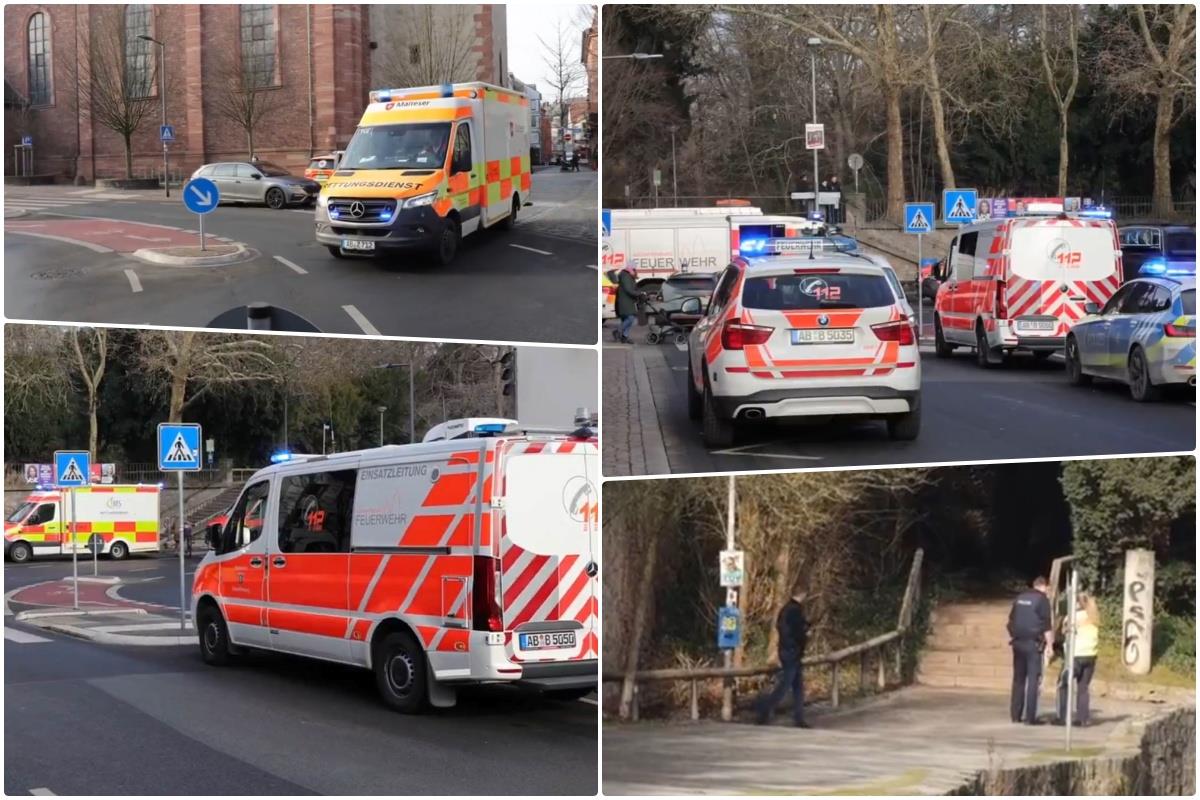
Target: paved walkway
x,y
633,441
914,741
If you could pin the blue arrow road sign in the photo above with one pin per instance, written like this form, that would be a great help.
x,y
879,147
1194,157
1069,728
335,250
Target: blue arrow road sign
x,y
606,222
179,446
72,467
166,133
201,195
958,206
918,217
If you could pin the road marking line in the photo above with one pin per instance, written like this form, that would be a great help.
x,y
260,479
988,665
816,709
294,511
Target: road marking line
x,y
591,266
589,701
362,321
21,637
93,247
43,791
532,249
290,265
134,283
741,451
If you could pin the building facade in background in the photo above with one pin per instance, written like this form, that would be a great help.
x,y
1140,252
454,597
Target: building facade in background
x,y
310,68
591,62
530,90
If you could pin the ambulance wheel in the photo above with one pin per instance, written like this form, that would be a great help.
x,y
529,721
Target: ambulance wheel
x,y
400,672
695,401
335,251
1075,374
447,246
214,636
275,199
1140,386
717,431
119,551
905,427
20,552
941,348
510,221
984,351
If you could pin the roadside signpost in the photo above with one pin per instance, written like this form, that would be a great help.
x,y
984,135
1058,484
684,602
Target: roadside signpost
x,y
201,196
26,141
166,133
179,452
71,469
855,161
959,206
918,219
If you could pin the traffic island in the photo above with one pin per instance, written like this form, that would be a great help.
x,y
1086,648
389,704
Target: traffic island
x,y
128,626
213,255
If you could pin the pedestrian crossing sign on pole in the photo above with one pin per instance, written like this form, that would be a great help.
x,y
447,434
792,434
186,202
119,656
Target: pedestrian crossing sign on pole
x,y
958,206
918,217
72,467
179,447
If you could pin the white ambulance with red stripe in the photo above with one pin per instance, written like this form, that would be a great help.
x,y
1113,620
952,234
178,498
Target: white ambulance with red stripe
x,y
1021,283
469,558
804,332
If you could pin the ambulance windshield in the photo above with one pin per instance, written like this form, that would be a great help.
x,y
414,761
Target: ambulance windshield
x,y
408,146
21,512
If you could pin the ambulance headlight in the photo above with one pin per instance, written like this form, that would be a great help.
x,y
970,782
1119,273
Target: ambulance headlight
x,y
421,200
322,200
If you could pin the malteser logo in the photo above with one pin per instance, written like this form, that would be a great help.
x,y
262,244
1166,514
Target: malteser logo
x,y
580,500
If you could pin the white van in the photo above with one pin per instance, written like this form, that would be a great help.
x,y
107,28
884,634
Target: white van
x,y
117,520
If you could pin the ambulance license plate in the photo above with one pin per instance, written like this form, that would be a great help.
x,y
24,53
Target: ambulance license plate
x,y
357,244
1036,324
551,640
823,336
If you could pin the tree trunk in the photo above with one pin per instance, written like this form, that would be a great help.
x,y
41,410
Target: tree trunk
x,y
640,613
1163,206
1062,154
779,593
93,425
895,154
128,156
179,376
250,140
939,129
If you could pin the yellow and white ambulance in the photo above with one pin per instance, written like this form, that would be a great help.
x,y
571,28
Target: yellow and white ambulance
x,y
117,519
426,167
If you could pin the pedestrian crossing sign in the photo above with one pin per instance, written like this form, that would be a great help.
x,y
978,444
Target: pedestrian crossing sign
x,y
958,206
179,446
918,217
72,467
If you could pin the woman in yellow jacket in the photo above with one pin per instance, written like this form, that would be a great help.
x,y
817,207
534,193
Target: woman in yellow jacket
x,y
1087,645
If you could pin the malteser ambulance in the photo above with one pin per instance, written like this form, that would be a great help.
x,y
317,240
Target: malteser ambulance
x,y
469,558
426,167
118,520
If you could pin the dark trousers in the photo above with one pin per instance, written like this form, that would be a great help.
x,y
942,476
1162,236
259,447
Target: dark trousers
x,y
1085,668
1027,673
791,676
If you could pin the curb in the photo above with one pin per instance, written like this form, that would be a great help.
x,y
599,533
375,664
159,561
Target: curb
x,y
654,448
101,636
98,579
25,616
152,256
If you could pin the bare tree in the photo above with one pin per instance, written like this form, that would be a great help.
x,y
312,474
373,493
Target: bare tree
x,y
1058,43
439,40
242,100
1149,55
192,365
116,98
561,57
89,346
34,374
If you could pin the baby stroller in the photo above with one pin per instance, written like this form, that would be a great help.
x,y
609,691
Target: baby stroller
x,y
667,324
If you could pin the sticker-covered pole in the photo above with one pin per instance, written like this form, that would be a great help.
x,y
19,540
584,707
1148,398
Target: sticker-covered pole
x,y
179,538
920,295
74,550
727,654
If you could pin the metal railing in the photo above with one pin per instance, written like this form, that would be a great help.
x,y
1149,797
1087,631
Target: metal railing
x,y
834,660
771,204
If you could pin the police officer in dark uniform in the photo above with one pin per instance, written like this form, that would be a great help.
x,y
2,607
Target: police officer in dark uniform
x,y
793,638
1030,629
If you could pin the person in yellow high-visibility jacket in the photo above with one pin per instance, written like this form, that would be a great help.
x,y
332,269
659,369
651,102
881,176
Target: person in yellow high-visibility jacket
x,y
1086,623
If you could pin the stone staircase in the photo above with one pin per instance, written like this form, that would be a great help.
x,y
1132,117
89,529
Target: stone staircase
x,y
968,647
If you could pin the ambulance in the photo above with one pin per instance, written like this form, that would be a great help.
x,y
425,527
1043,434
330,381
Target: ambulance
x,y
472,557
660,242
1020,283
116,520
426,167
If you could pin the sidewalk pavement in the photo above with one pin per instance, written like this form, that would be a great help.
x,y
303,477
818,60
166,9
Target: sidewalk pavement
x,y
633,439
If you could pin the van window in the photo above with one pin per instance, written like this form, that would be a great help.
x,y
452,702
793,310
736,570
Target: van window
x,y
315,512
964,259
549,503
43,514
462,149
245,523
20,512
966,244
1062,252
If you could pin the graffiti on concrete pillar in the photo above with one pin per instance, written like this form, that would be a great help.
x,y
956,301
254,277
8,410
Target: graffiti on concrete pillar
x,y
1137,621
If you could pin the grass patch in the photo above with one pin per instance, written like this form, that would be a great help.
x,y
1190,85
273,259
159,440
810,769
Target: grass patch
x,y
1058,754
901,784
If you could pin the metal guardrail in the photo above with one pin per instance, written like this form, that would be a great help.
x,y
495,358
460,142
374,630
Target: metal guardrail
x,y
834,659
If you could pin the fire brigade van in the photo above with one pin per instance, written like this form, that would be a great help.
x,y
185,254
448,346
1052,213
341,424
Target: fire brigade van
x,y
801,332
469,558
117,520
426,167
660,242
1021,283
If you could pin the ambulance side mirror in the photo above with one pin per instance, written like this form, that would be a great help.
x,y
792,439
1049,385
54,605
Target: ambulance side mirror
x,y
212,535
691,305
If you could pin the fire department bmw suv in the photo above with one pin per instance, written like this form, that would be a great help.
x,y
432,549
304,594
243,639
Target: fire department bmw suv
x,y
804,332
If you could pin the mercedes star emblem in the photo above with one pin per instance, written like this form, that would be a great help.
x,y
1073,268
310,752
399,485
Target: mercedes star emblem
x,y
357,209
592,568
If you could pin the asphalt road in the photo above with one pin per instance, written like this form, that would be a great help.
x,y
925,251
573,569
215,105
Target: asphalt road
x,y
1024,409
536,283
87,719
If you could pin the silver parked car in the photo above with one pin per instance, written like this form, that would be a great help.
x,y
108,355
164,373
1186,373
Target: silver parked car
x,y
259,182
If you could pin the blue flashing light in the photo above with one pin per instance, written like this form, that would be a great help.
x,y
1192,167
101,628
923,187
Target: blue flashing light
x,y
447,90
1100,212
1154,266
490,427
752,246
280,457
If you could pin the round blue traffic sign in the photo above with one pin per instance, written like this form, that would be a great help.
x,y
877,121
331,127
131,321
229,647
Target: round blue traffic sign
x,y
201,195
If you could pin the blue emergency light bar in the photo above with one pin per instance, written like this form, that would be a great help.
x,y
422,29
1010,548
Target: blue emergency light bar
x,y
280,457
800,244
387,95
490,428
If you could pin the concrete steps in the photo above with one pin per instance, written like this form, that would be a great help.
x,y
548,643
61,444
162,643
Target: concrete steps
x,y
968,647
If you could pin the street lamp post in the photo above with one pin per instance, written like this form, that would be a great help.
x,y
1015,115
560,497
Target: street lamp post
x,y
813,44
324,430
381,410
674,172
412,419
162,93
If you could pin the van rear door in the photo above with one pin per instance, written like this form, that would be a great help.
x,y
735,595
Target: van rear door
x,y
1058,267
548,549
